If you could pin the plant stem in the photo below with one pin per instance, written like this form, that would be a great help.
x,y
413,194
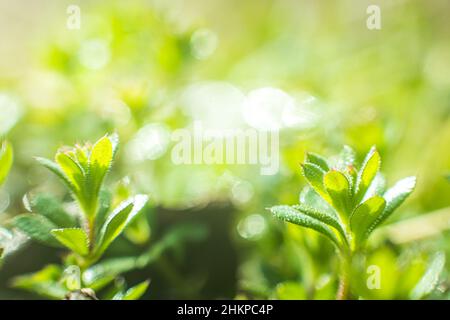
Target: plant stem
x,y
343,289
343,292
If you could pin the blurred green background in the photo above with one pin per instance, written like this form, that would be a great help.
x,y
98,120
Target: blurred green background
x,y
146,68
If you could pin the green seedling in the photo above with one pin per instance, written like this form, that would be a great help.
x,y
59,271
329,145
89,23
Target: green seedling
x,y
344,204
89,233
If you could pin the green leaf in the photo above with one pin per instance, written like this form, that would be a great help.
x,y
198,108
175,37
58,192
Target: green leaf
x,y
73,238
52,209
394,198
108,268
119,220
101,282
116,289
367,173
431,277
364,216
44,282
338,187
133,293
289,214
318,160
53,167
82,157
105,199
72,171
36,227
345,163
113,227
6,160
377,187
324,217
311,198
314,175
138,231
100,160
101,154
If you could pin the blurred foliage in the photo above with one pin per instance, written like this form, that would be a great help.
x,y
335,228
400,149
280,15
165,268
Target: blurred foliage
x,y
146,68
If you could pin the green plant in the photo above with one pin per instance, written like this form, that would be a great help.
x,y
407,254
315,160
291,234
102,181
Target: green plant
x,y
345,204
88,233
88,229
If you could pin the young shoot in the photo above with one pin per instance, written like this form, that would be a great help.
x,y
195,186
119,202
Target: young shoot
x,y
89,233
345,204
